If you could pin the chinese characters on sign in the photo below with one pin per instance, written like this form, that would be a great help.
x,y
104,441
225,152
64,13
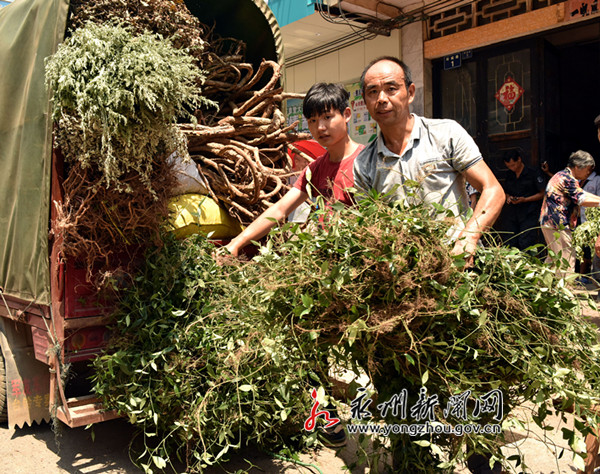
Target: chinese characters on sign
x,y
362,127
294,113
509,93
422,412
28,392
581,8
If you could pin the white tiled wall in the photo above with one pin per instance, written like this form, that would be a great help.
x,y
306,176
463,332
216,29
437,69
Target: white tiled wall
x,y
344,65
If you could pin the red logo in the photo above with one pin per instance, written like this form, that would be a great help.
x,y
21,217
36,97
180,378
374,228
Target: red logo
x,y
509,93
311,421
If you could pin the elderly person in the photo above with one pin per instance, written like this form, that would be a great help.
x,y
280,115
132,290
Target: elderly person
x,y
560,206
438,154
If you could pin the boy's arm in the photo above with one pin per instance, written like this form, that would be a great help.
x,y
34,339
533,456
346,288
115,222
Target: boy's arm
x,y
264,223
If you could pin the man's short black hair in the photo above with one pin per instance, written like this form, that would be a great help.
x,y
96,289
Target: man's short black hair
x,y
322,97
512,155
394,59
597,121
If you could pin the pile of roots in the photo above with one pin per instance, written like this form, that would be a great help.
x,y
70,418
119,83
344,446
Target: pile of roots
x,y
244,157
232,126
373,291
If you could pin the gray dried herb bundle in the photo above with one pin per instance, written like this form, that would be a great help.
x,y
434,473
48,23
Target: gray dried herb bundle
x,y
120,96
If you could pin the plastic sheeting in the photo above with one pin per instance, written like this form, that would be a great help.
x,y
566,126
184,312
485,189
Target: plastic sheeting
x,y
30,31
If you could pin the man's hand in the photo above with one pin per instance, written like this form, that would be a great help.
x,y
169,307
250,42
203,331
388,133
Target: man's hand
x,y
466,246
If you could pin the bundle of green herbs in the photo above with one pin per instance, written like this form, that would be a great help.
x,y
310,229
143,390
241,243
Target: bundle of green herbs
x,y
197,376
585,234
116,100
211,357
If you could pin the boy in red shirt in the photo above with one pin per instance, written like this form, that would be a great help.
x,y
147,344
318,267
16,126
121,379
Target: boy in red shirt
x,y
325,107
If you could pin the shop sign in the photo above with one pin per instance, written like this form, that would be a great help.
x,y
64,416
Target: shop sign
x,y
362,128
509,93
581,8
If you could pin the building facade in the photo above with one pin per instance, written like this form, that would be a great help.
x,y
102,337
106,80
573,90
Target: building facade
x,y
514,73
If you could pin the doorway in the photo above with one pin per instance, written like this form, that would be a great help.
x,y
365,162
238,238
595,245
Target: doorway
x,y
539,94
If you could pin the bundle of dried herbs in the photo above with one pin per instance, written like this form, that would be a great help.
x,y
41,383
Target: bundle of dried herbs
x,y
243,157
127,73
168,18
116,100
373,290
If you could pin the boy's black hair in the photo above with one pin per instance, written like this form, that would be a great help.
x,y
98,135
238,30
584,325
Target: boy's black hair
x,y
322,97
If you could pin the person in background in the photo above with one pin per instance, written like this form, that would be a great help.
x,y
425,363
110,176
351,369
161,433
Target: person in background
x,y
562,197
546,169
592,462
438,154
589,263
524,188
327,112
473,195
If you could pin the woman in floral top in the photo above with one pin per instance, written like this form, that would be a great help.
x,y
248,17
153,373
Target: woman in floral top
x,y
560,206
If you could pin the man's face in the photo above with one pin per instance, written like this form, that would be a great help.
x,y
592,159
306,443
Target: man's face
x,y
514,165
330,128
599,134
386,95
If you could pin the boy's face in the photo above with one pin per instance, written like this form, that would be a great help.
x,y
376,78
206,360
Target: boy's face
x,y
599,134
330,128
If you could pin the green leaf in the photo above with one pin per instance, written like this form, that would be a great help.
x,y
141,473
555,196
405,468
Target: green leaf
x,y
159,462
423,443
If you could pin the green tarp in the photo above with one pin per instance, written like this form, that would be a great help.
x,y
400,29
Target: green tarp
x,y
30,31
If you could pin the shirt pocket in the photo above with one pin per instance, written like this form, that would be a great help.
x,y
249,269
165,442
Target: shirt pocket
x,y
432,165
